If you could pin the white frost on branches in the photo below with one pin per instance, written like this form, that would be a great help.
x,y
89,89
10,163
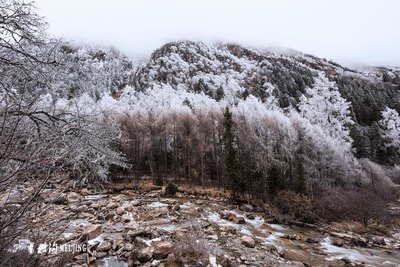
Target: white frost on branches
x,y
324,106
390,124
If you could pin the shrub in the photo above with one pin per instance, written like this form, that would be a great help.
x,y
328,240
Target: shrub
x,y
295,204
358,204
158,181
192,248
171,189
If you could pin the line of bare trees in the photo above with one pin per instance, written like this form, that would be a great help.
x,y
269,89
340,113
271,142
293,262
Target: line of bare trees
x,y
268,154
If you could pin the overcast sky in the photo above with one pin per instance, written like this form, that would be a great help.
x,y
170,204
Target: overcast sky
x,y
348,31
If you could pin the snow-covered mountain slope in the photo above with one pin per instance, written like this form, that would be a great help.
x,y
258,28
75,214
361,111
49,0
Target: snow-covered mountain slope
x,y
92,70
233,72
195,76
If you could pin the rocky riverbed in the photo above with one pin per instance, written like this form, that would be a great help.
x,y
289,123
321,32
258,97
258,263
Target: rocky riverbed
x,y
143,228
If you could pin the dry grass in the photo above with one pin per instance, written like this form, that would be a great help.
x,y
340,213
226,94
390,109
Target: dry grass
x,y
147,186
358,228
198,190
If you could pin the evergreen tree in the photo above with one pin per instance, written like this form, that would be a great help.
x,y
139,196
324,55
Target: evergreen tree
x,y
230,149
273,180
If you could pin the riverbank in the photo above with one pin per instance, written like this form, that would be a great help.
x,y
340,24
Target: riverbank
x,y
139,226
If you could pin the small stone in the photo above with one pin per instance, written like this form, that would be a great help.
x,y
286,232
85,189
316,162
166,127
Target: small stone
x,y
236,219
56,198
81,258
359,241
379,241
162,249
104,246
73,197
91,232
337,242
176,207
125,218
120,211
291,264
224,261
127,206
109,216
213,237
171,261
111,205
118,243
248,241
247,207
160,212
101,254
311,240
129,247
81,208
145,254
250,216
136,203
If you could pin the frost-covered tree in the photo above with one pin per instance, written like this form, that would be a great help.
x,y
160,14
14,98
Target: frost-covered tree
x,y
324,106
390,125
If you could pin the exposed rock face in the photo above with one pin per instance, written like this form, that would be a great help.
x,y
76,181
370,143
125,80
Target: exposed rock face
x,y
162,249
248,241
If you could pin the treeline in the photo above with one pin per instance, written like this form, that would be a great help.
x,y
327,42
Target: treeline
x,y
258,153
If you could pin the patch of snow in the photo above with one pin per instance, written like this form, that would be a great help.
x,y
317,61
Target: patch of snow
x,y
157,204
96,240
79,222
149,242
113,262
94,197
102,237
213,261
67,235
168,228
155,263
